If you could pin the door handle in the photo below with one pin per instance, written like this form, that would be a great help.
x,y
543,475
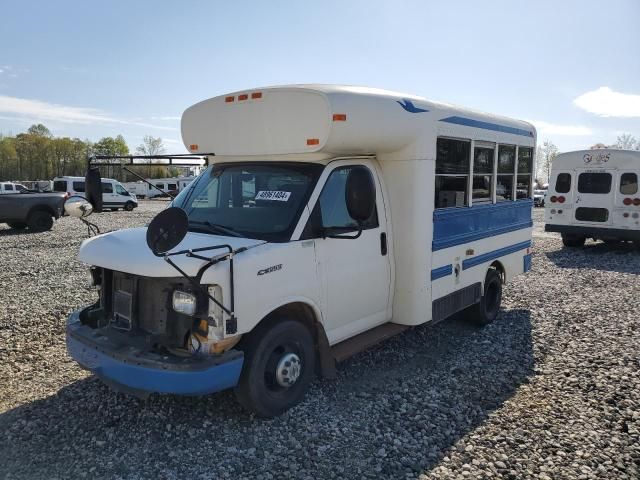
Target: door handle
x,y
383,243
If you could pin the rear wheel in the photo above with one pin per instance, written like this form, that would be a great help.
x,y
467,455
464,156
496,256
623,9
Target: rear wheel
x,y
279,365
40,221
486,311
572,240
17,225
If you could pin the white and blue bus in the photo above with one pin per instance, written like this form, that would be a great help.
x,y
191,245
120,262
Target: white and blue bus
x,y
343,215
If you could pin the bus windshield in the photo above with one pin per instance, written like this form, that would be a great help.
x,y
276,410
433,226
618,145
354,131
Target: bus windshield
x,y
252,200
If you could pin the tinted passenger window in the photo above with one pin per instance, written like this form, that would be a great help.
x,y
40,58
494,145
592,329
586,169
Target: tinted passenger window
x,y
452,172
506,171
482,174
628,183
524,187
563,183
333,205
172,186
78,186
594,182
8,187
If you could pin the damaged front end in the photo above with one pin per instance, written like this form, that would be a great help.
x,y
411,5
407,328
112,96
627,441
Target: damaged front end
x,y
155,335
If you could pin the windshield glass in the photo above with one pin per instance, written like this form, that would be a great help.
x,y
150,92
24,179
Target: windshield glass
x,y
253,200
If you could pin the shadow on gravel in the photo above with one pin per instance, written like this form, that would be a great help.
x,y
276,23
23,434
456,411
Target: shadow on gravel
x,y
618,257
395,409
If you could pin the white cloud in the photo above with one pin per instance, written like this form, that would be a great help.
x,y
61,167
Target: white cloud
x,y
40,111
608,103
546,128
167,118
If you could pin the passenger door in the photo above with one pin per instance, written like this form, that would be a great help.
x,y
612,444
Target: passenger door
x,y
109,198
355,274
593,203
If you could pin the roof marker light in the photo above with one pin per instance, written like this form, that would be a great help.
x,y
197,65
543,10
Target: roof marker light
x,y
339,117
229,99
193,146
242,97
313,141
256,95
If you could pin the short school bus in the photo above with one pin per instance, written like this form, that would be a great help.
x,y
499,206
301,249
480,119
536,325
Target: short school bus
x,y
348,214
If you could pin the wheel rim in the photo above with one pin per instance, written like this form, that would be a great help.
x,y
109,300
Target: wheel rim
x,y
283,368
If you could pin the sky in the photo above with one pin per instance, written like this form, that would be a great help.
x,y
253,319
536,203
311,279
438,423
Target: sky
x,y
92,69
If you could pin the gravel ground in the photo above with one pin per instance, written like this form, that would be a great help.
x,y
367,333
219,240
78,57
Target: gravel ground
x,y
551,390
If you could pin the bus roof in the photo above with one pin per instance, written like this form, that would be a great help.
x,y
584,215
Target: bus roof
x,y
332,120
598,158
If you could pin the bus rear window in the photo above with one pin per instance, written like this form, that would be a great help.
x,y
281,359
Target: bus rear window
x,y
598,183
628,184
563,183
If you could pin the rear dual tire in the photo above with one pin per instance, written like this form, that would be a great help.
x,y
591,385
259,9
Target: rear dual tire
x,y
279,366
486,311
572,240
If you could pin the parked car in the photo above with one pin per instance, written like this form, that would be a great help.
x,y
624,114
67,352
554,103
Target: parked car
x,y
539,197
9,187
114,195
37,211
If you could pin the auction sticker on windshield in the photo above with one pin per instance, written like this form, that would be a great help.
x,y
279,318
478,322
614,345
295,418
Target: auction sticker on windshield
x,y
274,195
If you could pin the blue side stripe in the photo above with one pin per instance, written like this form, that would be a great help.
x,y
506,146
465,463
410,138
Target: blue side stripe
x,y
440,272
501,252
460,225
470,122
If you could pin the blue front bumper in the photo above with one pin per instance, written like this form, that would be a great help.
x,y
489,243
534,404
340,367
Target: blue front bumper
x,y
138,371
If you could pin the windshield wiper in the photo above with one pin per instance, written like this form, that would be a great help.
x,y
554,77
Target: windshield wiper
x,y
214,227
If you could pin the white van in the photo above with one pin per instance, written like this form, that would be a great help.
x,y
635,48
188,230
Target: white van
x,y
114,195
330,217
594,194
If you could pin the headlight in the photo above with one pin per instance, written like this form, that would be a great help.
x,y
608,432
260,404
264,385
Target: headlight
x,y
184,302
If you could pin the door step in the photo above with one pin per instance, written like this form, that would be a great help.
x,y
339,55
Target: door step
x,y
347,348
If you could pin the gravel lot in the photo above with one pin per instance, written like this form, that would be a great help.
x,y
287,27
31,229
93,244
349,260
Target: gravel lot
x,y
551,390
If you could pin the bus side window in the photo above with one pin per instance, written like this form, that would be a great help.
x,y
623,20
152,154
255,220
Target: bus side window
x,y
563,183
525,169
453,161
628,184
506,172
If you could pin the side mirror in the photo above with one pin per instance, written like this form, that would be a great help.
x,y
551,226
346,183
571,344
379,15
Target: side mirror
x,y
78,207
360,194
166,230
93,188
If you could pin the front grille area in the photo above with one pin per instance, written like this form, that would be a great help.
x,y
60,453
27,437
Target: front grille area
x,y
142,305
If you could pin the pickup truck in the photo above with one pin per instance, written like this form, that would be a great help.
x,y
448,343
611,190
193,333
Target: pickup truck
x,y
36,211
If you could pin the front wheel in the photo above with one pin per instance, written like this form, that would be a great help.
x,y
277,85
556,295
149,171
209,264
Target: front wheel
x,y
279,364
17,225
573,240
129,206
486,311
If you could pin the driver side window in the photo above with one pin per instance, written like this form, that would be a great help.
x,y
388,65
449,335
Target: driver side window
x,y
331,209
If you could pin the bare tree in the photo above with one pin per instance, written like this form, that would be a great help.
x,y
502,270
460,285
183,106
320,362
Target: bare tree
x,y
150,146
626,141
546,154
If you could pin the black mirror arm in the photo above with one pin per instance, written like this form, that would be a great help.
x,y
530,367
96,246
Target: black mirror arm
x,y
326,234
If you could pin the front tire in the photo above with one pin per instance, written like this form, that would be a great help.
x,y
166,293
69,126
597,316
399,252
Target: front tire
x,y
486,311
279,365
573,240
129,206
40,221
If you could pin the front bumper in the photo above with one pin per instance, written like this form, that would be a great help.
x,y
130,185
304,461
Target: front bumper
x,y
132,369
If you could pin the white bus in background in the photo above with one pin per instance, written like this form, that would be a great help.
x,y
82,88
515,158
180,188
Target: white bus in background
x,y
351,213
594,194
114,194
172,185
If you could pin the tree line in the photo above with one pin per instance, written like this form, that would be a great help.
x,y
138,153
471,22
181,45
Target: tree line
x,y
37,155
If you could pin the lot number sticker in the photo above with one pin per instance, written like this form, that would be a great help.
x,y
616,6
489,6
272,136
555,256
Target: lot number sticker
x,y
274,195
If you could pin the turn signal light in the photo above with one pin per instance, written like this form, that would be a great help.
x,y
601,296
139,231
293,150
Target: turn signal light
x,y
636,201
627,201
339,117
313,141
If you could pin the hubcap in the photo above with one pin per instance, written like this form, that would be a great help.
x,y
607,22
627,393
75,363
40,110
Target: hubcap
x,y
288,370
